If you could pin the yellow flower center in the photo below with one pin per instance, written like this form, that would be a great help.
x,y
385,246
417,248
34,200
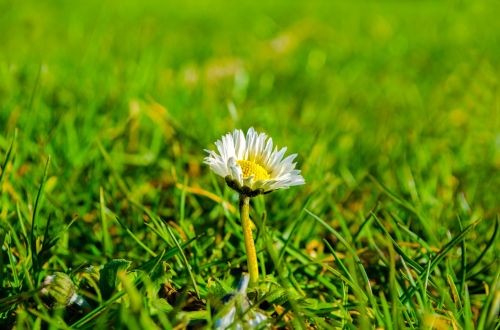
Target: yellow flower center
x,y
250,168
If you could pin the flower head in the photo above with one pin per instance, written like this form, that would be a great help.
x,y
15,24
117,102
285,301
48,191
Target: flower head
x,y
60,291
237,311
250,165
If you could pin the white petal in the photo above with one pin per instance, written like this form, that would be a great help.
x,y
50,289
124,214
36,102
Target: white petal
x,y
240,143
235,170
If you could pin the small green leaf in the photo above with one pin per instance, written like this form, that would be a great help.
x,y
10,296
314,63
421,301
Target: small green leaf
x,y
107,281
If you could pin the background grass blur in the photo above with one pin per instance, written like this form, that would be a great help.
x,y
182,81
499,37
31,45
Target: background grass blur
x,y
393,108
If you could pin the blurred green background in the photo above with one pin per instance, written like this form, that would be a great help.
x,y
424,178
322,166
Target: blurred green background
x,y
396,94
405,91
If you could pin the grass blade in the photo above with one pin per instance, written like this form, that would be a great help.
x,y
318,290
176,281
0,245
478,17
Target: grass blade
x,y
3,169
34,219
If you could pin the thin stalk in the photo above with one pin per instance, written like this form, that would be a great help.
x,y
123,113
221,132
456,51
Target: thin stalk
x,y
247,235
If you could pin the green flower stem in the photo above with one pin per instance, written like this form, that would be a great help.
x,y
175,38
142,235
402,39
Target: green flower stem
x,y
247,235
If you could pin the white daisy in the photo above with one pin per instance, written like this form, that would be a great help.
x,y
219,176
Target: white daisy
x,y
237,306
250,165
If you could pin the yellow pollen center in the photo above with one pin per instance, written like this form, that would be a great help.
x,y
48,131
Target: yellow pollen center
x,y
250,168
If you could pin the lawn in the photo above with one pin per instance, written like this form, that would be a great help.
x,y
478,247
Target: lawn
x,y
106,108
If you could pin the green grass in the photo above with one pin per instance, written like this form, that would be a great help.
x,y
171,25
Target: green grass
x,y
393,108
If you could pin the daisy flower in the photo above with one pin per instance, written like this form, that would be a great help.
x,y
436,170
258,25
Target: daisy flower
x,y
60,291
237,311
250,165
